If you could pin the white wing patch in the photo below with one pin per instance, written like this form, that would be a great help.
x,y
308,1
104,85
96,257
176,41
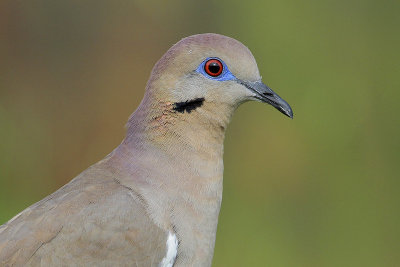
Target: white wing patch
x,y
172,250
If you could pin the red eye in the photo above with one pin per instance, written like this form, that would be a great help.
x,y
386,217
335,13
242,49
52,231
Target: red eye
x,y
213,67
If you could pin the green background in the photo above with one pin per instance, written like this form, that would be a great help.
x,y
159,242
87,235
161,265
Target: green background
x,y
319,190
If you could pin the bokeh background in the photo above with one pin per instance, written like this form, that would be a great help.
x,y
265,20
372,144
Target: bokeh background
x,y
319,190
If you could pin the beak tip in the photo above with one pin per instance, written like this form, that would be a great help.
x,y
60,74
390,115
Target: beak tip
x,y
290,114
286,110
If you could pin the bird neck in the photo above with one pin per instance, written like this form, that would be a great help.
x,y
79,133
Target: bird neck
x,y
191,127
183,151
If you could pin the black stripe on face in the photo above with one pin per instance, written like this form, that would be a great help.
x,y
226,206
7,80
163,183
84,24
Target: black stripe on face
x,y
188,105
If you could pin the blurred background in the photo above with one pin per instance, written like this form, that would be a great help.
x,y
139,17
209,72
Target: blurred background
x,y
319,190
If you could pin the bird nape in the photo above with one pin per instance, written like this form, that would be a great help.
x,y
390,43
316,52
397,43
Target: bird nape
x,y
155,200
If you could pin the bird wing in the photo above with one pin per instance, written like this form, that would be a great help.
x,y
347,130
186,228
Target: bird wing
x,y
93,220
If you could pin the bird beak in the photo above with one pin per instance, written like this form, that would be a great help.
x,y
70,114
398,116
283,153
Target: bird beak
x,y
266,95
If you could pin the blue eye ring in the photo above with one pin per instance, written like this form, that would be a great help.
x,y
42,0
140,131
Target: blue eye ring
x,y
222,75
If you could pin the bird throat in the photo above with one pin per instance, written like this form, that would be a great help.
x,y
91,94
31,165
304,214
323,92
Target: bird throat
x,y
195,124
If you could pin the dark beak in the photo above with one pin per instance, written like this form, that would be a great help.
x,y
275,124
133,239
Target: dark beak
x,y
266,95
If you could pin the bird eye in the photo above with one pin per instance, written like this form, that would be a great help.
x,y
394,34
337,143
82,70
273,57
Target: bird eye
x,y
213,67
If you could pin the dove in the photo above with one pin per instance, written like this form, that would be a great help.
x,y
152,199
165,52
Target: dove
x,y
155,199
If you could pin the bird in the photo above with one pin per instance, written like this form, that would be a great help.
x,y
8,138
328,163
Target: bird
x,y
155,199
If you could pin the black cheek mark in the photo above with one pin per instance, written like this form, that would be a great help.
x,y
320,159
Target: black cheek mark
x,y
188,105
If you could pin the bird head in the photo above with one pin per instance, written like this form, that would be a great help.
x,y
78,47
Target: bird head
x,y
210,68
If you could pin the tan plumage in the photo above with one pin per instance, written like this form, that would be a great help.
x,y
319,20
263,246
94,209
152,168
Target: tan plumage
x,y
92,220
165,177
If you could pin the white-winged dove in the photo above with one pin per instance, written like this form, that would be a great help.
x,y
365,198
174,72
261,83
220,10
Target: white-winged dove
x,y
154,200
